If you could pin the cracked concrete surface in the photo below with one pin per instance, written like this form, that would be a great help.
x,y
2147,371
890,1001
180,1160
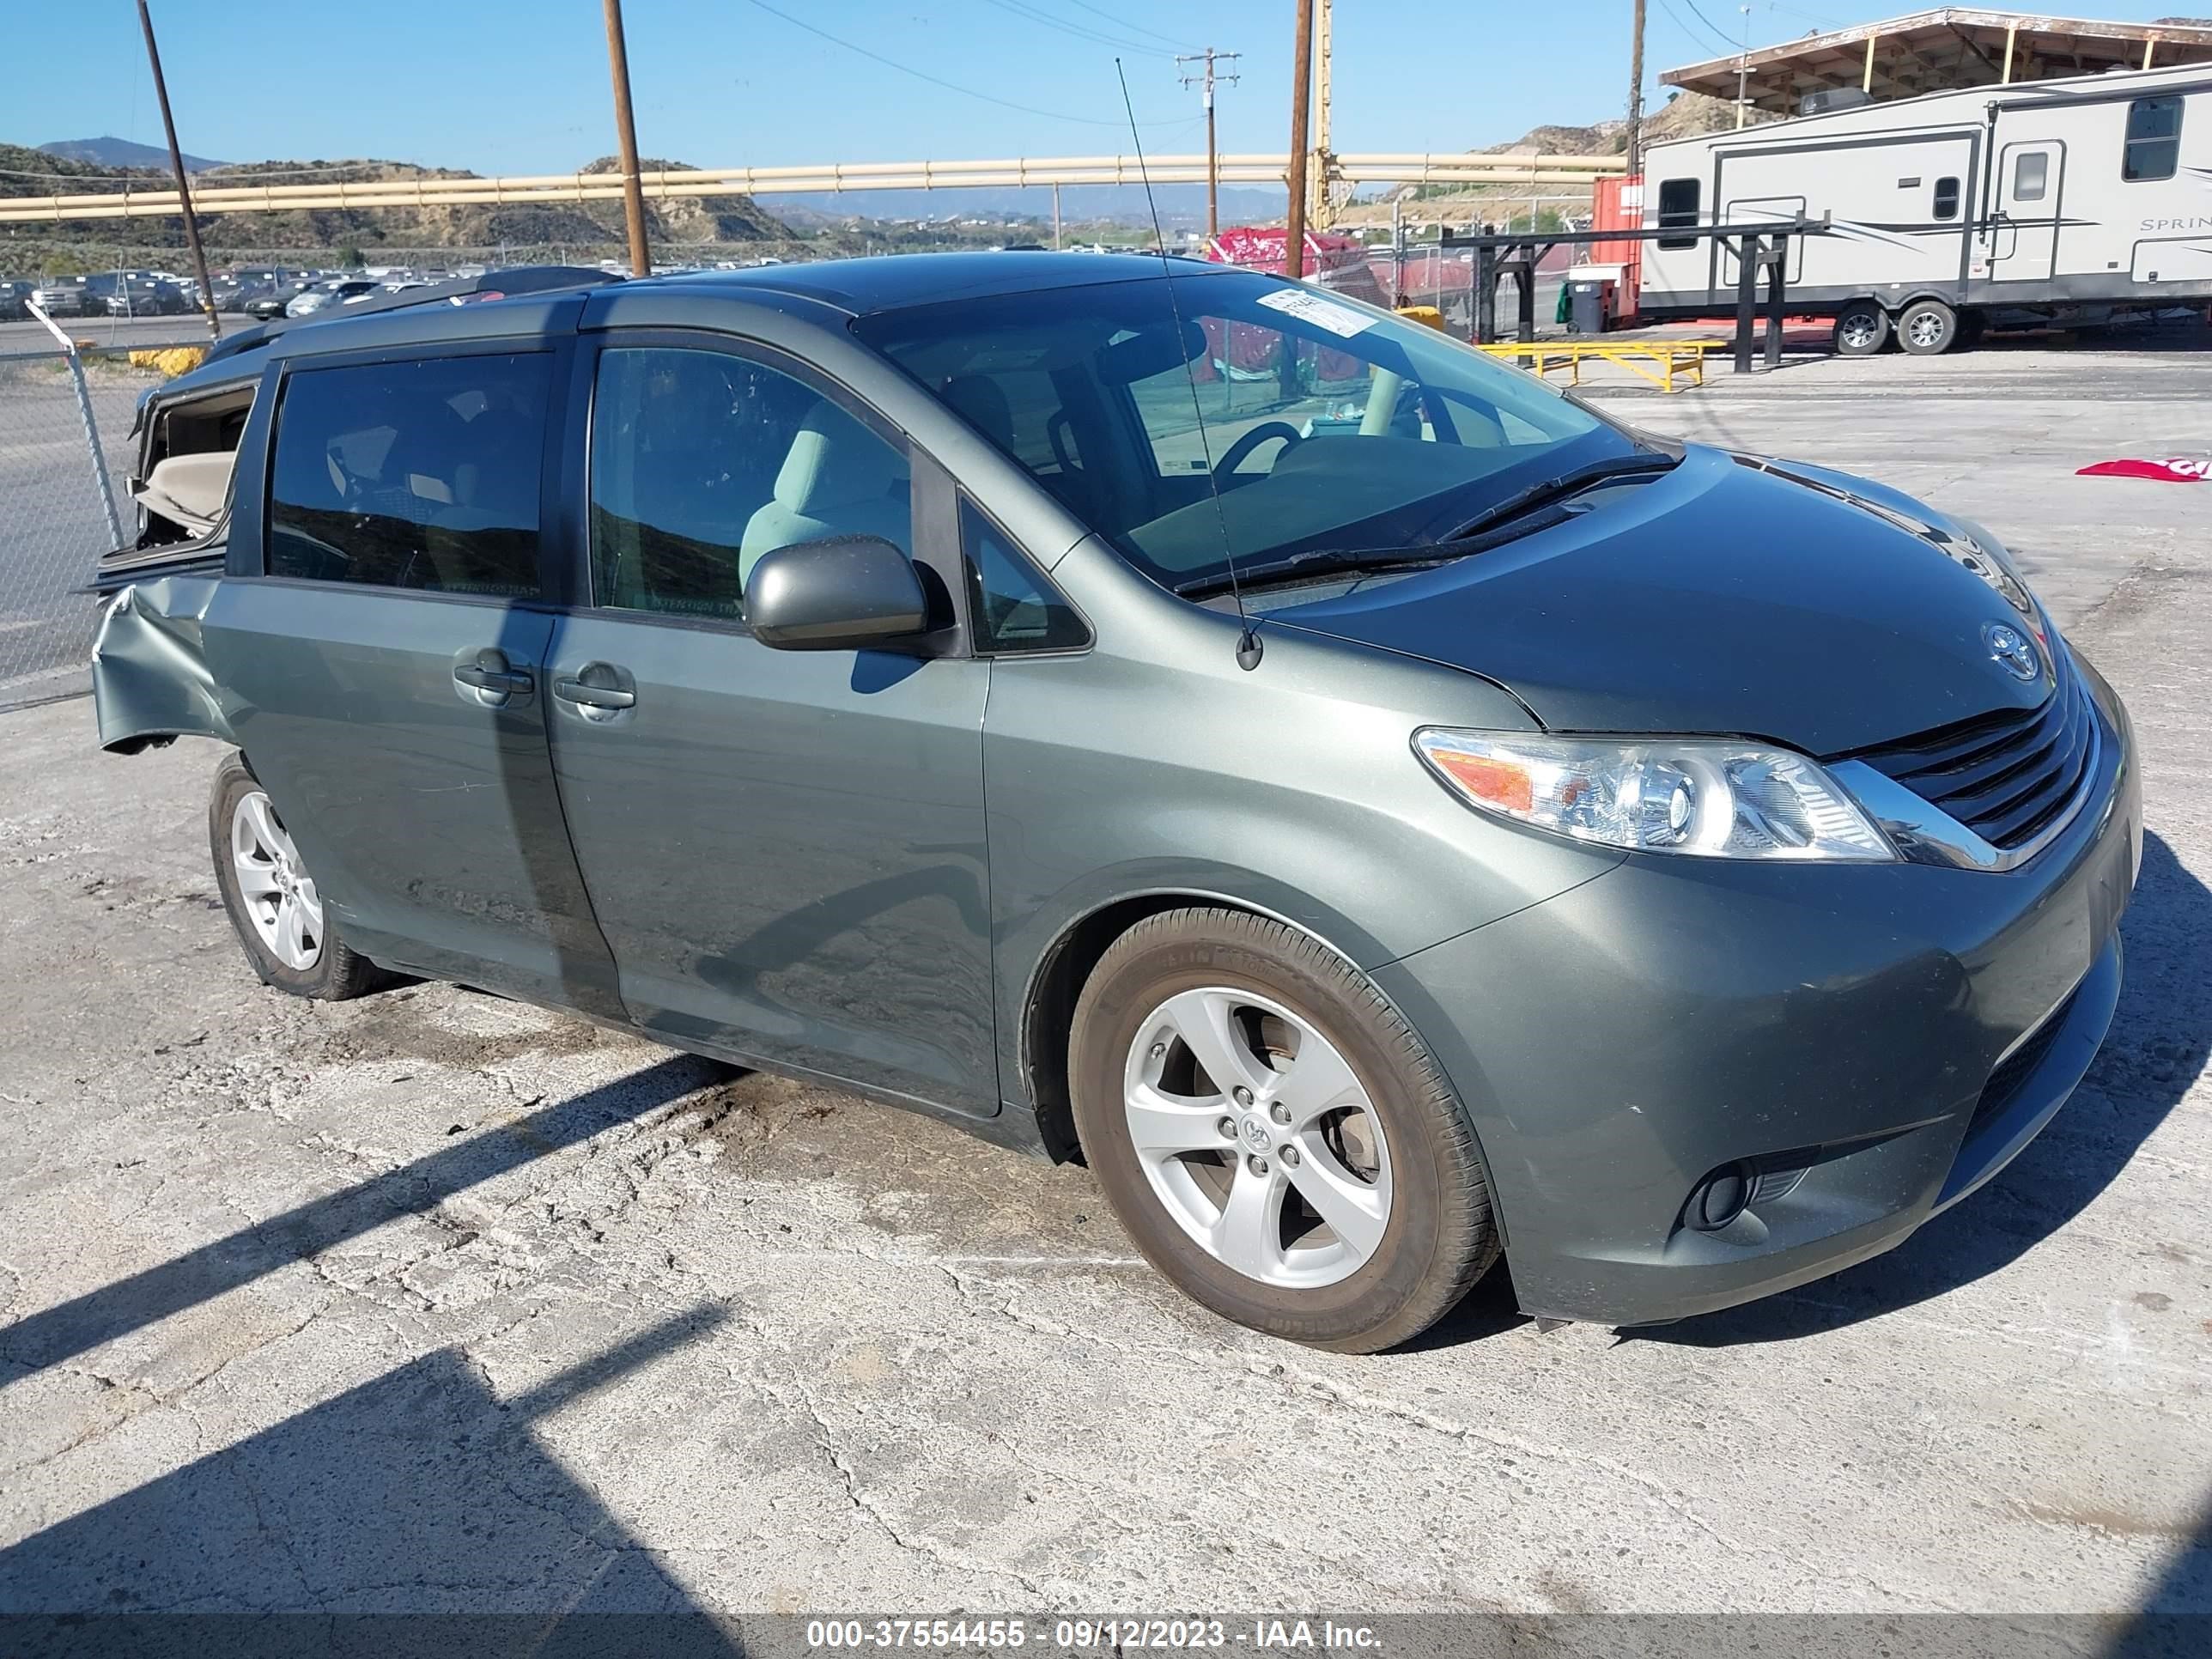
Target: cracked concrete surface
x,y
431,1302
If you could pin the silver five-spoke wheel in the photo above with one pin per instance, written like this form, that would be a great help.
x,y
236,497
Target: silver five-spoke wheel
x,y
1257,1137
280,898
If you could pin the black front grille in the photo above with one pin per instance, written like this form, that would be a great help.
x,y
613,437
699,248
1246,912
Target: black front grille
x,y
2004,775
2016,1067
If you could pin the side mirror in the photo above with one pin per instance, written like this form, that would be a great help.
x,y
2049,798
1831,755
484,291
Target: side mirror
x,y
842,593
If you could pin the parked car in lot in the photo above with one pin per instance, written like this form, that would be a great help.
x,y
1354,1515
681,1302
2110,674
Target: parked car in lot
x,y
313,300
64,297
1012,687
145,298
265,304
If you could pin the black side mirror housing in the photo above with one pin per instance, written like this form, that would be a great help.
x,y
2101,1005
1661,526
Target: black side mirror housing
x,y
841,593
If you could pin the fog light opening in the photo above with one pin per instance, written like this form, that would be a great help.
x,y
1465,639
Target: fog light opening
x,y
1719,1199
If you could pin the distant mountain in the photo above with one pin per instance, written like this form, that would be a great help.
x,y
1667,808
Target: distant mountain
x,y
1180,205
576,226
122,153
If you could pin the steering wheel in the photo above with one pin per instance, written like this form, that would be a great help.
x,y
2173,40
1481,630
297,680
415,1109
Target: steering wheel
x,y
1265,432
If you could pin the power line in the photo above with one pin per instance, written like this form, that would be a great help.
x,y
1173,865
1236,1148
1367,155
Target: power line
x,y
1095,11
1080,31
950,86
1708,22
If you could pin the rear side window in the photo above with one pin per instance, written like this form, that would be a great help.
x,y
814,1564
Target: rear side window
x,y
1678,211
1015,608
416,475
2153,145
1947,198
2030,171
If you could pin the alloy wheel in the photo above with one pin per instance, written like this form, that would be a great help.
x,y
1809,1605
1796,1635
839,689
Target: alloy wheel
x,y
1926,330
1255,1134
279,895
1860,331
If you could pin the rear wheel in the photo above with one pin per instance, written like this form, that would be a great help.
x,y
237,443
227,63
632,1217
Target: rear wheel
x,y
1928,328
1862,329
1273,1135
274,907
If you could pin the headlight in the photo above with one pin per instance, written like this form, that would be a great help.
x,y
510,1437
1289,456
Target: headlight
x,y
1708,798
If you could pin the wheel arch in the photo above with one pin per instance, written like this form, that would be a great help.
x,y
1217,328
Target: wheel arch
x,y
1065,967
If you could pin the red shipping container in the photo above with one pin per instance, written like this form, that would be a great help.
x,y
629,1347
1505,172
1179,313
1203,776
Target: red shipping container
x,y
1618,204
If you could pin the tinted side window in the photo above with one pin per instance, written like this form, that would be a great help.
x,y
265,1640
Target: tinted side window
x,y
420,474
1015,608
2031,170
2153,145
701,462
1678,210
1947,198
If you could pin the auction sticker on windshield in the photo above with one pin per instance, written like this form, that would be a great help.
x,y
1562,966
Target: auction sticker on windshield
x,y
1322,313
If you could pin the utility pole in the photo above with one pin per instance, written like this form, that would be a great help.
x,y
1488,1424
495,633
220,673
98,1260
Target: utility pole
x,y
1742,66
177,167
1636,94
641,259
1294,237
1321,211
1204,79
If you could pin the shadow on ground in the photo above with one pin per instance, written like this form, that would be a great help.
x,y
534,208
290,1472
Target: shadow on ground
x,y
69,1329
416,1514
2157,1047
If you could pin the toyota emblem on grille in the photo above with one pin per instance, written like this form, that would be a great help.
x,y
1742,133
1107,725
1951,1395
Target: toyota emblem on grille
x,y
2012,652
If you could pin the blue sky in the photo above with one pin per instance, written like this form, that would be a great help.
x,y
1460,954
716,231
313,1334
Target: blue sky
x,y
520,86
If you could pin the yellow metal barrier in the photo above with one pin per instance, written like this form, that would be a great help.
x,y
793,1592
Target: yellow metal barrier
x,y
1657,361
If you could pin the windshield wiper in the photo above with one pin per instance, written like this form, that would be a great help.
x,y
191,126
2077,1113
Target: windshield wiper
x,y
1572,483
1317,562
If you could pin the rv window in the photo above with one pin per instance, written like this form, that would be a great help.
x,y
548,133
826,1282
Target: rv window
x,y
2153,146
1678,208
2029,171
1947,198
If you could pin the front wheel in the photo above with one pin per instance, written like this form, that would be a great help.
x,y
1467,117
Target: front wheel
x,y
1862,331
1273,1135
275,906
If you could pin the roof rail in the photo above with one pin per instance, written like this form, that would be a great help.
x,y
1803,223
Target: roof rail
x,y
462,290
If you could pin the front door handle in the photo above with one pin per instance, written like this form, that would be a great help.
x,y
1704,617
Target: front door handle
x,y
492,677
598,686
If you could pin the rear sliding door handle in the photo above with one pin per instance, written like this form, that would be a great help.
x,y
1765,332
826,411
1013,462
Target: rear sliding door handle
x,y
492,679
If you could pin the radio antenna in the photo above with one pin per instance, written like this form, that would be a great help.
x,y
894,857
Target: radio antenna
x,y
1248,638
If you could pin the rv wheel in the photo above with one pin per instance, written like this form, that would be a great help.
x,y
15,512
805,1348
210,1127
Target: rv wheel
x,y
1928,328
1861,330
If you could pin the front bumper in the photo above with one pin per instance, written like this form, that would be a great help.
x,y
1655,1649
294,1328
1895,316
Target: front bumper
x,y
1876,1040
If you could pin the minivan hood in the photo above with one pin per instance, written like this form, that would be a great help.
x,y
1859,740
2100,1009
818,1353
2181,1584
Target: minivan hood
x,y
1730,596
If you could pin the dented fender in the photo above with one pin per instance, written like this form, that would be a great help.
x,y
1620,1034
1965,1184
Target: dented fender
x,y
150,679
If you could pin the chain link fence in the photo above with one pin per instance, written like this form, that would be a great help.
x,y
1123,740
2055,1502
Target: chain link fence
x,y
53,527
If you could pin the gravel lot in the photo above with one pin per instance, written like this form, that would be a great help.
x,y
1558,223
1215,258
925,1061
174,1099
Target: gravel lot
x,y
436,1303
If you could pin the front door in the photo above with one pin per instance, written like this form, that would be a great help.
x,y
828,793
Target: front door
x,y
2025,231
385,668
785,848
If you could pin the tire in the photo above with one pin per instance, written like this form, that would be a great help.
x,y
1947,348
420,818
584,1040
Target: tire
x,y
238,809
1928,328
1372,1127
1861,330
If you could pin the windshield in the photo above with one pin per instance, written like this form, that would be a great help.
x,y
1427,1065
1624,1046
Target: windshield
x,y
1325,423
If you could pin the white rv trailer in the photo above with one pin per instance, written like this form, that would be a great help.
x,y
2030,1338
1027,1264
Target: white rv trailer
x,y
2057,199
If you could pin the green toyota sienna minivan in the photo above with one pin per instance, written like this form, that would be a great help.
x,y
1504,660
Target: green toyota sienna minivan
x,y
1376,812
